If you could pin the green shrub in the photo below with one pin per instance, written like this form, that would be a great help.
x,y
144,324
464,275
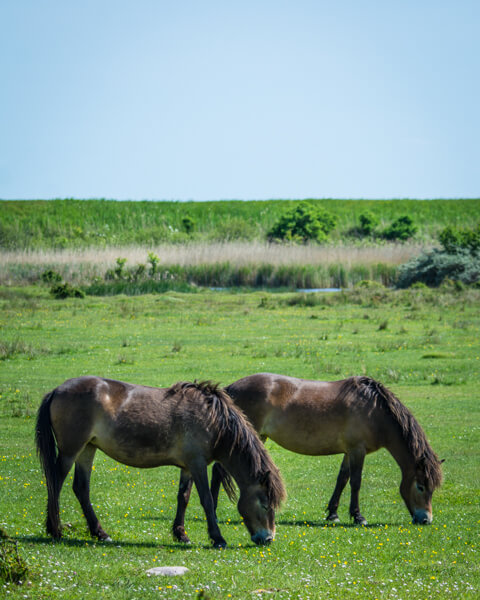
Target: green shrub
x,y
118,272
303,223
153,261
401,229
432,268
51,276
65,290
368,222
188,224
454,239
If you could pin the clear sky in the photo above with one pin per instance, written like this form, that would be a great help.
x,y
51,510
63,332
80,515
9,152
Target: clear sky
x,y
250,99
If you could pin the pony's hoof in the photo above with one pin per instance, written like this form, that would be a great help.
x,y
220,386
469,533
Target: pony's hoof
x,y
333,518
184,539
220,545
360,521
180,535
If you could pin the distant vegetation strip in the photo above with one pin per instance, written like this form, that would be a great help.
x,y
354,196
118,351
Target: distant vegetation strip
x,y
73,223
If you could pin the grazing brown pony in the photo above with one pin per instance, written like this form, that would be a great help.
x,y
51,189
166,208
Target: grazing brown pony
x,y
354,417
188,425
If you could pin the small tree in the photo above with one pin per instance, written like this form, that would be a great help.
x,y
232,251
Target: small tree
x,y
368,222
402,229
188,224
303,223
153,261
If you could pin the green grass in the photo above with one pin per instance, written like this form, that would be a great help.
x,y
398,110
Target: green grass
x,y
83,223
428,353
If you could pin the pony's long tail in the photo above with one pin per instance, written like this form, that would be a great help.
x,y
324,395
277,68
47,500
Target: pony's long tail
x,y
47,453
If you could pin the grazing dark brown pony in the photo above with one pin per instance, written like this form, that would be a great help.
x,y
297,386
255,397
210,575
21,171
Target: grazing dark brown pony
x,y
188,425
354,417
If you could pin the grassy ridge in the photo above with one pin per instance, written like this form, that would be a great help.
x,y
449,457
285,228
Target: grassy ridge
x,y
83,223
423,344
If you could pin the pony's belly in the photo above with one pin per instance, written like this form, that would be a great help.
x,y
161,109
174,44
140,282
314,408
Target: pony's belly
x,y
140,456
314,443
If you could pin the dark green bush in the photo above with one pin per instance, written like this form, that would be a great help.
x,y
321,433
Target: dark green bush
x,y
188,224
65,290
454,239
51,276
432,268
401,229
368,222
303,223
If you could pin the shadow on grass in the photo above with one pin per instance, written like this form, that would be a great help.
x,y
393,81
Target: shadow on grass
x,y
91,543
328,524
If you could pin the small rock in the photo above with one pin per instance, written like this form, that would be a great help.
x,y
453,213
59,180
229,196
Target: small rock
x,y
167,571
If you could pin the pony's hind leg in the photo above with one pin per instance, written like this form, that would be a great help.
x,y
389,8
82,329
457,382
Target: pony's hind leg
x,y
215,483
63,464
184,489
81,488
342,480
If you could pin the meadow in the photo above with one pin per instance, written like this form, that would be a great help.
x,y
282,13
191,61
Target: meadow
x,y
421,343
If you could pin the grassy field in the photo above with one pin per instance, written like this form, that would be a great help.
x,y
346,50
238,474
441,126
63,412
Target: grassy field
x,y
85,223
423,344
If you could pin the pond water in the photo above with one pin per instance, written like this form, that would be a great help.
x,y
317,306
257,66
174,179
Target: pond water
x,y
309,290
300,290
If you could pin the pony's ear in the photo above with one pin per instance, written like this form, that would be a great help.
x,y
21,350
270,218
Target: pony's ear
x,y
442,461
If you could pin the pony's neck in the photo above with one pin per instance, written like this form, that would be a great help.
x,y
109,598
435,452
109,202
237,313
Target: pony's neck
x,y
238,467
398,448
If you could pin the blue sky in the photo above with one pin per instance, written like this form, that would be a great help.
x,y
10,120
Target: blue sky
x,y
207,100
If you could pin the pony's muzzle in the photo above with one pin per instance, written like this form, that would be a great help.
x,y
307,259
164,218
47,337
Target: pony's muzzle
x,y
262,537
421,517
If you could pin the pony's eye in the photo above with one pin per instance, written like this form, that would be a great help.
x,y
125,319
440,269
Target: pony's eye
x,y
420,488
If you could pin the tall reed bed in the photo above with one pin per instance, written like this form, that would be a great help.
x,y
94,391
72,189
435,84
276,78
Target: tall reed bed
x,y
212,265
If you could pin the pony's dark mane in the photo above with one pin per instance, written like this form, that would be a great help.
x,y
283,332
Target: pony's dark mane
x,y
413,435
234,433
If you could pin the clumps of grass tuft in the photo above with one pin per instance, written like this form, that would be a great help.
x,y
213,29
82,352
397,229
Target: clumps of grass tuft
x,y
10,349
383,325
13,568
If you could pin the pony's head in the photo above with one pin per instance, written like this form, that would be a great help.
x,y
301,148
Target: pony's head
x,y
417,489
258,513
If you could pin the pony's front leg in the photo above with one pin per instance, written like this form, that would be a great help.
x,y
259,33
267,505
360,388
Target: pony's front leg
x,y
356,459
183,496
342,480
200,477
